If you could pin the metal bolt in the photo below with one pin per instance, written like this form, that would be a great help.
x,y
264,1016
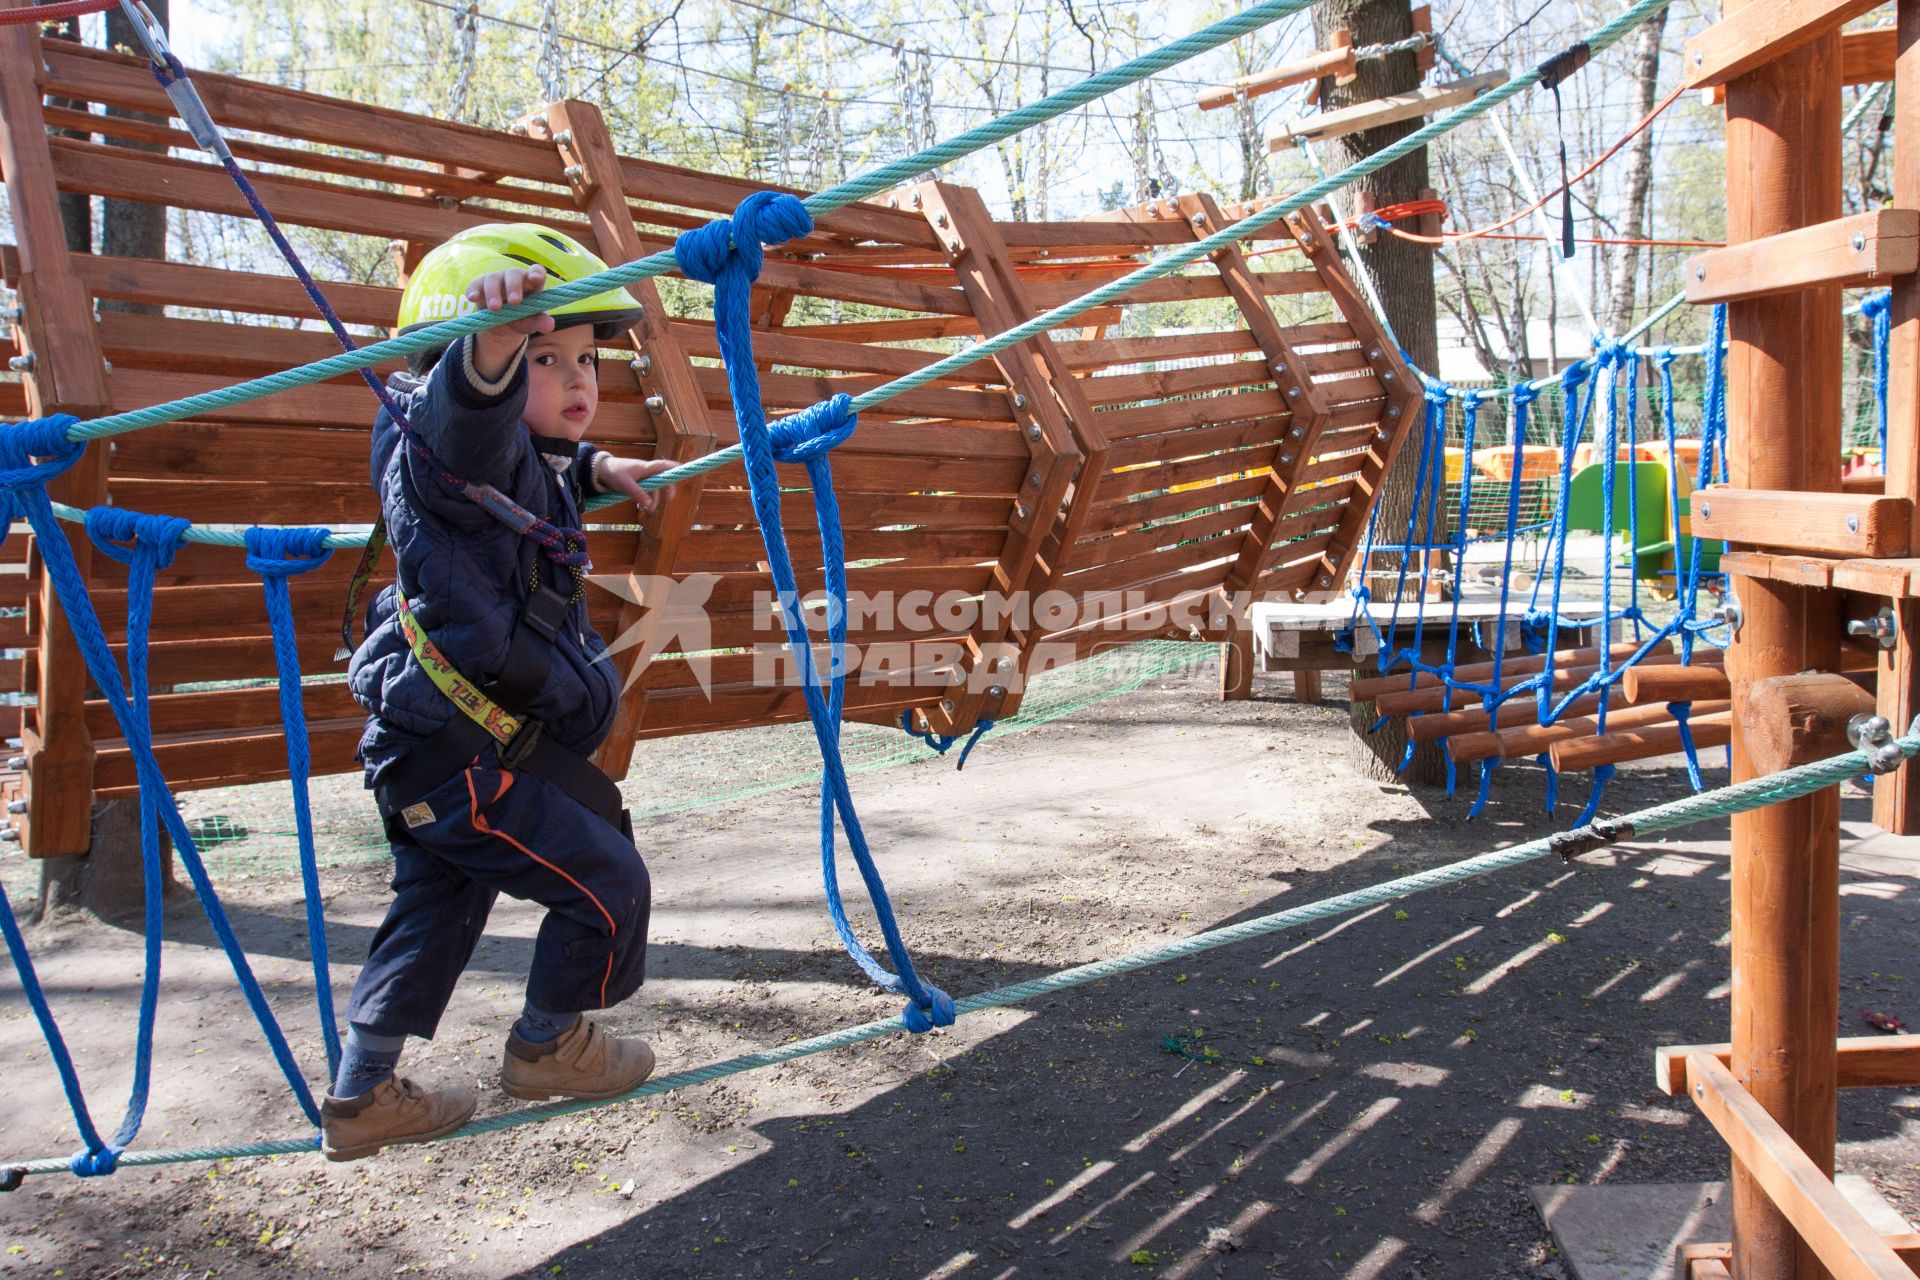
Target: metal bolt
x,y
643,365
1699,59
1293,393
1280,369
563,138
1387,376
1880,627
940,220
16,806
14,744
919,200
996,691
893,202
518,128
656,404
1019,401
946,704
1326,581
10,833
1022,511
1706,511
1859,242
1199,219
1034,479
953,246
1373,353
1001,664
1380,433
1297,432
1699,273
1393,411
21,363
1853,524
1033,431
16,763
574,172
1286,457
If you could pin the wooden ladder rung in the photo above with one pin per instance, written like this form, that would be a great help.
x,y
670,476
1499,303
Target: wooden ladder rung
x,y
1761,32
1387,110
1867,248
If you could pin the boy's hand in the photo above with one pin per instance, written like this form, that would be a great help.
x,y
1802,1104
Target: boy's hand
x,y
494,349
623,475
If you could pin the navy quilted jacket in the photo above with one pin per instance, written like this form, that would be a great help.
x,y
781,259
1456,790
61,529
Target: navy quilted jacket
x,y
466,573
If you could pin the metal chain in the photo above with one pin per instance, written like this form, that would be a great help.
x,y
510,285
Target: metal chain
x,y
551,68
786,135
466,39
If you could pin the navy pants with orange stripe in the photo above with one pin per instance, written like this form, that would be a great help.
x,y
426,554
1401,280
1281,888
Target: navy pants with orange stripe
x,y
485,832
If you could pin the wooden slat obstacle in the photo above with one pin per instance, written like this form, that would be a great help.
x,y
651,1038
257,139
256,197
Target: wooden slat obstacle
x,y
1141,485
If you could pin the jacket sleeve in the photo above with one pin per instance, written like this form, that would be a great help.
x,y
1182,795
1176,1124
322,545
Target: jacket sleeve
x,y
472,424
581,471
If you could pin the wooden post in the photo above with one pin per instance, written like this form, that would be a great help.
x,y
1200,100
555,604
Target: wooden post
x,y
1896,799
1783,403
68,376
666,377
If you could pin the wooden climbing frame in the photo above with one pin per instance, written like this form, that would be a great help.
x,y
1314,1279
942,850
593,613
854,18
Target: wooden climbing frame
x,y
1142,486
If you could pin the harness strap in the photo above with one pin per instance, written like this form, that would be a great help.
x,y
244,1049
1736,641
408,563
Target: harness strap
x,y
501,725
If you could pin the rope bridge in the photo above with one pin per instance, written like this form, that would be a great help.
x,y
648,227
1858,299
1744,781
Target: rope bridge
x,y
726,253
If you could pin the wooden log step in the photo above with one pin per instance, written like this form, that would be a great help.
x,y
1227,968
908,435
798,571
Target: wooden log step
x,y
1517,665
1525,740
1676,684
1864,249
1641,744
1409,701
1469,721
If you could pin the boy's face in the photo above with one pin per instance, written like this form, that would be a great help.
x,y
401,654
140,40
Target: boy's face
x,y
563,382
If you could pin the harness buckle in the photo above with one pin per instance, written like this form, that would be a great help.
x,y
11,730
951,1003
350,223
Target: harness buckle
x,y
522,744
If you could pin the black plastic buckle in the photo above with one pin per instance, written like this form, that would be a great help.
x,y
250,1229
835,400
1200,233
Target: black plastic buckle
x,y
522,744
546,611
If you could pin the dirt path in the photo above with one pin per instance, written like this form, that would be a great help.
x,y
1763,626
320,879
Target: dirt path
x,y
1371,1098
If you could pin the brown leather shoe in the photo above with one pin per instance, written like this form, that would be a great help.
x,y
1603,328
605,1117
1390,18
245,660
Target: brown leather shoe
x,y
393,1112
586,1062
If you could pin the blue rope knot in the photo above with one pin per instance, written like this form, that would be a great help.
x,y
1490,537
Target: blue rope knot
x,y
815,431
1525,394
1610,353
95,1163
937,1011
1875,305
126,535
286,553
763,218
43,438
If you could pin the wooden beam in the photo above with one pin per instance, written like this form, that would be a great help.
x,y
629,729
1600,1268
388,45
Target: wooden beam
x,y
1713,1261
1840,523
1325,62
1844,1241
1865,249
1387,110
1676,684
1861,1062
1759,33
1408,701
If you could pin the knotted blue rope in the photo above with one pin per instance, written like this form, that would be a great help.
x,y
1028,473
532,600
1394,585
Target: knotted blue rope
x,y
276,555
728,253
1878,307
25,479
943,742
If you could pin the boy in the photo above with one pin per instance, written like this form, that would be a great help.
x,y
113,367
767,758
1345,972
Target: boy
x,y
486,688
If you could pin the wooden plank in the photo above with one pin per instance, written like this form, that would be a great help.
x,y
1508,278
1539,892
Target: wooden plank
x,y
213,759
1844,1242
1760,32
1840,523
1890,578
1321,62
1387,110
185,284
1865,249
1861,1062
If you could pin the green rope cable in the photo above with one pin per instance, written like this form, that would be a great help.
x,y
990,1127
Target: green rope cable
x,y
659,264
1789,784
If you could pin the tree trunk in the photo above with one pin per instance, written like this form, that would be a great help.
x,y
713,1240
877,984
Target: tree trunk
x,y
1626,268
1403,273
132,228
76,208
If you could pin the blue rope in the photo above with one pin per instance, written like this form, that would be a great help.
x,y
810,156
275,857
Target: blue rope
x,y
46,439
941,743
276,555
727,253
1879,308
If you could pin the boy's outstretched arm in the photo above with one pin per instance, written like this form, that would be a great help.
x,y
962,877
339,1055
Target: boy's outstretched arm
x,y
474,398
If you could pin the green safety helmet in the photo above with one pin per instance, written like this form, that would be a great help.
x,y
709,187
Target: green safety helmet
x,y
437,290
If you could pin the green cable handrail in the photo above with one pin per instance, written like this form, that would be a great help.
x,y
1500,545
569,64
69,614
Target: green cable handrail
x,y
1744,797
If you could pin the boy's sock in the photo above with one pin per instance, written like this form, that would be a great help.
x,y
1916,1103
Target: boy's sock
x,y
367,1059
538,1026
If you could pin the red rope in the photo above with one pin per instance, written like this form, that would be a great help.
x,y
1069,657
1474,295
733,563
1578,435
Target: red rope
x,y
54,12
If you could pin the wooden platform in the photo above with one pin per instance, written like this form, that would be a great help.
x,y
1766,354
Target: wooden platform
x,y
1287,634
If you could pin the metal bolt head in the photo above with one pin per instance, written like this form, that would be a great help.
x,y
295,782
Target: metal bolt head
x,y
655,404
10,833
16,763
21,363
941,220
1373,353
1706,511
1297,432
1019,401
1699,273
1386,376
1286,457
643,365
996,691
1859,242
1380,433
16,806
1033,431
1280,369
953,246
946,704
1393,411
919,201
1199,219
1034,479
1853,524
574,172
1293,393
1022,511
564,137
1325,581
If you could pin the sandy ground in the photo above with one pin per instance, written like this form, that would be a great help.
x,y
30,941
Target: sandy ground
x,y
1370,1097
